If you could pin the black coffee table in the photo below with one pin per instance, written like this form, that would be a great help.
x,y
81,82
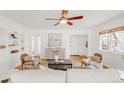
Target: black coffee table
x,y
64,65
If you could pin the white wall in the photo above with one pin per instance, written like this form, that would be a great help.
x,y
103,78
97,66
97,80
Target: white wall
x,y
44,35
112,60
7,60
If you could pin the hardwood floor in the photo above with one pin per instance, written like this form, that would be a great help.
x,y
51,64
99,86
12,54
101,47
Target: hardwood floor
x,y
76,58
76,61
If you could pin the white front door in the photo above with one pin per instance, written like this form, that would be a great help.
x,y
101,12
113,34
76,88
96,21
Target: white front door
x,y
78,45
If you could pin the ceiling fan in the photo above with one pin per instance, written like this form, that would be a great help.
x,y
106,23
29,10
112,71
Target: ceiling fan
x,y
64,18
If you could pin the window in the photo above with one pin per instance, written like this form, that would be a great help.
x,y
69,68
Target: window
x,y
35,44
113,41
120,42
32,44
39,44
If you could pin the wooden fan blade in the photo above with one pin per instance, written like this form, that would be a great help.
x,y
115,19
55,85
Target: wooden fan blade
x,y
69,23
75,18
52,19
64,13
56,24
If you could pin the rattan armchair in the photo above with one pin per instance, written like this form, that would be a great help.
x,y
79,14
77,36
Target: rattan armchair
x,y
26,60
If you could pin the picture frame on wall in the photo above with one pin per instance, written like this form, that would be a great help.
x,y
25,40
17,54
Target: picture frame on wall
x,y
54,39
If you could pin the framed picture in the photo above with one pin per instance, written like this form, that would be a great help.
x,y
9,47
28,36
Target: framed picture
x,y
55,39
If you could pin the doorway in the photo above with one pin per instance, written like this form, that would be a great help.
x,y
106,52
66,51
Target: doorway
x,y
79,45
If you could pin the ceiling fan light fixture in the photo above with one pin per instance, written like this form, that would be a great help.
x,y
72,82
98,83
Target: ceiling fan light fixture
x,y
63,21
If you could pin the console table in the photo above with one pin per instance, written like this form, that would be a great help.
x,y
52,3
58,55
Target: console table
x,y
50,53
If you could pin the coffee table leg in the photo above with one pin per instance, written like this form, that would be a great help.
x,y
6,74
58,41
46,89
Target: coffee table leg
x,y
71,66
48,66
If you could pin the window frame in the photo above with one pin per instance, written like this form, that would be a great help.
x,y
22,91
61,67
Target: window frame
x,y
109,50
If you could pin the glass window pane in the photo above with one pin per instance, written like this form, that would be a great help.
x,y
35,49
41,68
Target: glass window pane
x,y
32,43
120,42
39,44
112,41
105,39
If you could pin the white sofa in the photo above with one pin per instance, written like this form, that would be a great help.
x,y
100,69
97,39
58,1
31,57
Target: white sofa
x,y
92,76
69,76
39,76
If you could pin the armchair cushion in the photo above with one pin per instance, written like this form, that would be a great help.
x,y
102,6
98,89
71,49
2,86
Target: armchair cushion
x,y
26,58
28,63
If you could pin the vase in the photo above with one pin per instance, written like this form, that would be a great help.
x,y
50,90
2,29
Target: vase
x,y
56,58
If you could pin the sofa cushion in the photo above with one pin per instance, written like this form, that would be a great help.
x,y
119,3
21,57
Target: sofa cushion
x,y
39,76
92,76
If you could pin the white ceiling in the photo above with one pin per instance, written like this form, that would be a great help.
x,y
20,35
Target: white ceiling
x,y
35,19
